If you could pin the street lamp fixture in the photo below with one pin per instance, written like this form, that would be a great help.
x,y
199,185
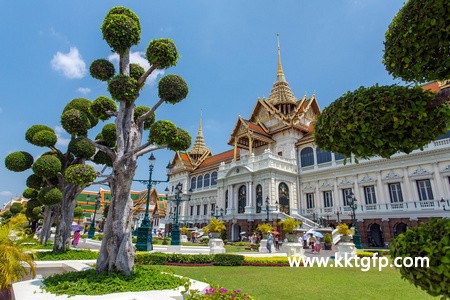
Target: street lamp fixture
x,y
443,202
91,231
144,232
338,212
178,199
268,208
351,200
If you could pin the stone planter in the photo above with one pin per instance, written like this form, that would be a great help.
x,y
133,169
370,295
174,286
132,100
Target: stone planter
x,y
215,235
216,246
291,237
184,238
293,249
263,247
346,239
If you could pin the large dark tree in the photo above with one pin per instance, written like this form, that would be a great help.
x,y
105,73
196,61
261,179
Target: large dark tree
x,y
124,140
383,120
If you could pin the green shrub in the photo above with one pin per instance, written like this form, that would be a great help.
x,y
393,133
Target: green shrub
x,y
100,106
136,71
50,196
150,258
68,255
364,254
139,111
102,69
35,129
165,241
430,240
88,282
266,260
34,181
172,89
123,88
162,52
228,260
18,161
80,174
81,148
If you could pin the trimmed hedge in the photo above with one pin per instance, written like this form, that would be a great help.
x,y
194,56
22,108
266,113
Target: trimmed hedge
x,y
68,255
163,258
228,260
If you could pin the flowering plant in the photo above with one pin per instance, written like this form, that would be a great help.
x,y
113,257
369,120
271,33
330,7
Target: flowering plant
x,y
220,294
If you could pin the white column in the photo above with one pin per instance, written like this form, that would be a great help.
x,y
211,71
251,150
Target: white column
x,y
438,183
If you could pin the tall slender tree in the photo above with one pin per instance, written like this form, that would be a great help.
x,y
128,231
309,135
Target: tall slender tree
x,y
124,141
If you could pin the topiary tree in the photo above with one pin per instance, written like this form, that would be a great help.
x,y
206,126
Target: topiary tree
x,y
16,208
121,143
385,120
429,240
60,176
78,213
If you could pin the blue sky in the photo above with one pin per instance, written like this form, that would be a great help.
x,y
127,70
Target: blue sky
x,y
228,58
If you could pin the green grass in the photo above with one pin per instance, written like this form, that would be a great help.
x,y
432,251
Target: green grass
x,y
69,255
307,283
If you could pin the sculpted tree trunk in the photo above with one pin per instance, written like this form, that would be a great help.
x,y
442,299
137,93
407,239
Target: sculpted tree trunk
x,y
46,226
66,208
117,251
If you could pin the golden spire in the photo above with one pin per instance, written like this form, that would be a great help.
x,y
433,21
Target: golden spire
x,y
199,146
280,74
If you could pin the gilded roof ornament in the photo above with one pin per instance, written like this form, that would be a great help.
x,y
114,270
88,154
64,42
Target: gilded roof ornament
x,y
199,146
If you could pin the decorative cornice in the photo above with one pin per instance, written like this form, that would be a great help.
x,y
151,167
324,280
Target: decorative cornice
x,y
326,185
446,169
420,172
367,179
392,175
345,182
308,187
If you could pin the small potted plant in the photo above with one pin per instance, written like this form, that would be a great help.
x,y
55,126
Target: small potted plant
x,y
288,225
215,227
328,241
345,232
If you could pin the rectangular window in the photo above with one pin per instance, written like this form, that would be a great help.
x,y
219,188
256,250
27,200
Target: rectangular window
x,y
198,210
192,210
424,189
327,199
213,208
205,209
309,200
369,194
395,192
345,195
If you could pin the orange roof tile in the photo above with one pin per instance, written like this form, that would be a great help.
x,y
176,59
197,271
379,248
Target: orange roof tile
x,y
434,87
217,159
256,128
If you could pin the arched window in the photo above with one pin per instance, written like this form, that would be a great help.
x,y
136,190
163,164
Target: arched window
x,y
258,198
206,180
214,178
242,199
323,156
199,181
307,157
193,182
283,198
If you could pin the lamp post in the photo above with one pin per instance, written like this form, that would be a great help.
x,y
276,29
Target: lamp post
x,y
144,233
218,213
91,231
351,200
314,216
338,212
178,199
328,220
443,202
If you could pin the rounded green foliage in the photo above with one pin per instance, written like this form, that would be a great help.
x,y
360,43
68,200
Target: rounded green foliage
x,y
122,10
30,193
139,111
35,129
16,208
172,89
417,42
162,132
102,69
45,138
78,212
47,166
162,53
123,88
429,240
83,105
180,141
80,174
34,202
381,120
109,133
81,148
101,158
100,107
19,161
75,122
35,182
136,71
50,196
121,32
33,213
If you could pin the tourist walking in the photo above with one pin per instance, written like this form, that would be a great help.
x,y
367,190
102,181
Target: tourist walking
x,y
269,242
277,244
76,238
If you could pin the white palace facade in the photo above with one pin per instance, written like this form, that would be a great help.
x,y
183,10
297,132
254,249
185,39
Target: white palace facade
x,y
274,170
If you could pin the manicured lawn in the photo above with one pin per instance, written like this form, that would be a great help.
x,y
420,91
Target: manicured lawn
x,y
307,283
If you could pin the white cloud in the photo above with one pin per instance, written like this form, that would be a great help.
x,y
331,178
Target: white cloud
x,y
62,141
138,58
70,64
6,194
84,91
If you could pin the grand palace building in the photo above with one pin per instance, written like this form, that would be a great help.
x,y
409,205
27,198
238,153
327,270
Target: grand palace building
x,y
274,170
